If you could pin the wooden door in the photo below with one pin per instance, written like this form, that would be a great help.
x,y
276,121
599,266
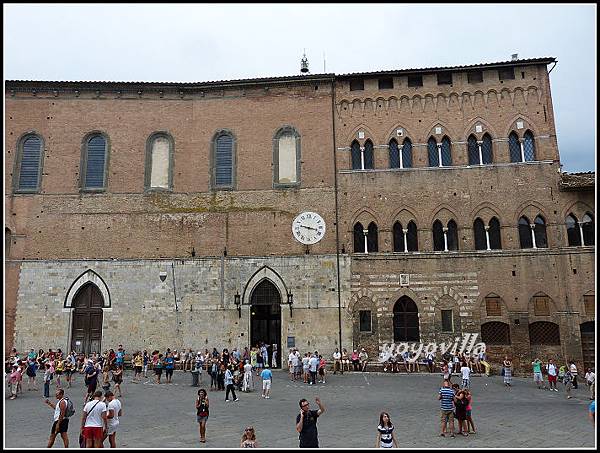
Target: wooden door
x,y
86,332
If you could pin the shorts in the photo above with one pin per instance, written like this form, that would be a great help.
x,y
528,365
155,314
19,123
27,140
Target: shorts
x,y
158,371
552,379
202,418
468,413
321,371
58,372
267,384
112,428
138,369
306,370
63,428
92,387
537,376
169,372
93,432
298,369
447,416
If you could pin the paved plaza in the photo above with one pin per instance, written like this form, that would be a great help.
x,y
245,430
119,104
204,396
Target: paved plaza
x,y
164,415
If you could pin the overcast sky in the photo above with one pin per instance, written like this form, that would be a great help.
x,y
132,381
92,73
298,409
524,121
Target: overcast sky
x,y
197,43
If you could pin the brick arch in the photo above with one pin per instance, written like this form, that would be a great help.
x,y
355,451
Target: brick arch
x,y
430,131
391,134
479,209
438,209
445,292
363,214
470,129
397,216
89,276
354,135
581,206
511,126
526,210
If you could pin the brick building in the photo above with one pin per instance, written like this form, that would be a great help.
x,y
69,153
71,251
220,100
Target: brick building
x,y
166,215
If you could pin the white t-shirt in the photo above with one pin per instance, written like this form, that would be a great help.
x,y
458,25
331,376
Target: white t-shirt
x,y
295,360
314,363
248,368
305,362
551,369
291,358
337,356
466,372
114,405
590,377
573,369
94,417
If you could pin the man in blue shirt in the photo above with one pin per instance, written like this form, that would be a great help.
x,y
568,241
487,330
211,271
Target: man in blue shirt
x,y
169,366
267,377
446,397
120,355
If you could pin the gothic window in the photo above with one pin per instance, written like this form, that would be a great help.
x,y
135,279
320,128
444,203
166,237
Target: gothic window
x,y
438,236
540,232
394,154
514,147
223,161
573,236
446,152
494,234
479,233
588,229
496,333
286,157
28,169
372,238
528,146
359,238
406,320
544,333
356,156
452,234
369,155
487,156
473,150
411,237
159,156
525,233
95,163
398,237
432,151
407,153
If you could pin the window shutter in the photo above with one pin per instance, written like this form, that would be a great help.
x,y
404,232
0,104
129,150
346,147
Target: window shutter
x,y
95,161
492,306
589,301
541,307
30,164
224,161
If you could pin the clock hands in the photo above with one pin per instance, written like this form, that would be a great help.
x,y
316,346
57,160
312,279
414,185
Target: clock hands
x,y
310,228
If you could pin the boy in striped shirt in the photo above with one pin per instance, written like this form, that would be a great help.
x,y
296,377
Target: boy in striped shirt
x,y
446,397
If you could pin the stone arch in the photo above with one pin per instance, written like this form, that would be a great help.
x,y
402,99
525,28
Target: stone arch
x,y
359,296
577,207
354,135
470,129
403,218
529,125
264,273
391,134
444,291
439,209
364,216
88,276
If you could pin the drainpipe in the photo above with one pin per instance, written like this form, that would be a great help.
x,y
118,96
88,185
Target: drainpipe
x,y
175,297
337,223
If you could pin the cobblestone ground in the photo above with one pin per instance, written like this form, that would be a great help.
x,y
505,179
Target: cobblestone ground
x,y
164,415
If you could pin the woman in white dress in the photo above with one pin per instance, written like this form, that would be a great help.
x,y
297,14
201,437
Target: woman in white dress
x,y
248,384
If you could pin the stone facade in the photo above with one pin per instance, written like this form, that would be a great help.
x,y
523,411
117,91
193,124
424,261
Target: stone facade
x,y
213,241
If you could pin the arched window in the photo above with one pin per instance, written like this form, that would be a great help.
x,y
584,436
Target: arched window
x,y
28,171
473,150
494,234
573,234
514,147
372,238
223,161
369,155
525,233
446,152
587,226
412,238
95,159
286,157
544,333
479,233
159,158
407,153
487,156
452,234
438,236
496,333
528,146
432,151
394,154
356,156
540,232
406,320
359,238
398,237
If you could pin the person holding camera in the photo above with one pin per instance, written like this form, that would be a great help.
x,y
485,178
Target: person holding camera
x,y
306,423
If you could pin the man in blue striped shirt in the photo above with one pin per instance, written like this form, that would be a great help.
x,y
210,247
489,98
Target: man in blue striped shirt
x,y
446,397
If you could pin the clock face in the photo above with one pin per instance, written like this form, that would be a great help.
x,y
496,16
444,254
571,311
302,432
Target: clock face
x,y
308,228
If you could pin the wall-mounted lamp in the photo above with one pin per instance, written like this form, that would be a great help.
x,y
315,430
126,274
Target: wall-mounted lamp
x,y
238,303
290,301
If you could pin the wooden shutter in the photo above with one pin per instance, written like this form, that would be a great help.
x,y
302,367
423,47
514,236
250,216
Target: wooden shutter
x,y
541,306
224,161
95,163
492,306
30,164
589,301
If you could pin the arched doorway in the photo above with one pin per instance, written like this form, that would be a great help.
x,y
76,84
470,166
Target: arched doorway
x,y
86,330
406,320
265,319
588,344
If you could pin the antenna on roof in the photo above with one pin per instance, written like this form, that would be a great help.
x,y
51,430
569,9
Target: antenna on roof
x,y
324,70
304,63
515,56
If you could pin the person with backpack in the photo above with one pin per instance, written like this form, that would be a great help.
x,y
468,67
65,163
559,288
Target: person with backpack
x,y
63,410
94,421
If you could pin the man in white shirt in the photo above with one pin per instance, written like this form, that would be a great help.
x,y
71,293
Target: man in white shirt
x,y
573,370
466,375
552,372
313,363
94,423
296,364
114,412
291,365
337,361
590,379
